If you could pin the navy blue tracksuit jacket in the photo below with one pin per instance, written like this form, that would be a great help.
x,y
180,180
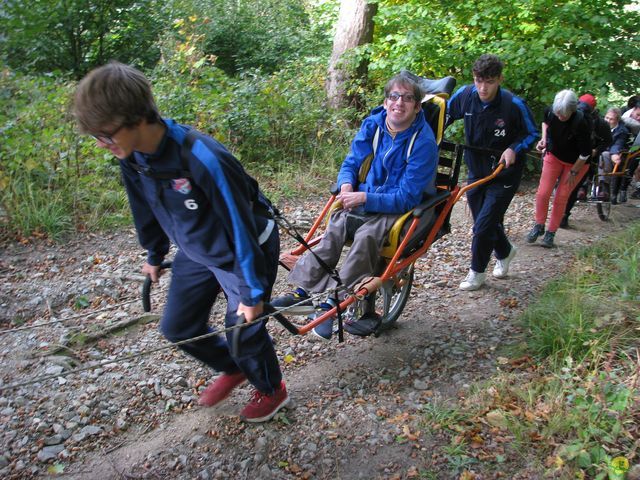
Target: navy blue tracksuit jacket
x,y
505,122
217,217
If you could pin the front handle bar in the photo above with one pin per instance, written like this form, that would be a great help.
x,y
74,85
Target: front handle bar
x,y
146,289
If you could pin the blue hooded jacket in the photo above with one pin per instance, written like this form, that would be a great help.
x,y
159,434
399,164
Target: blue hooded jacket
x,y
395,184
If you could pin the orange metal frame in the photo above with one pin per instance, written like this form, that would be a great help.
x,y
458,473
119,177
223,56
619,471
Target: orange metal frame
x,y
396,264
620,172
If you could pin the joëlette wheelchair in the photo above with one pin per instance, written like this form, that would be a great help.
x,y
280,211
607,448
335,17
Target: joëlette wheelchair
x,y
621,171
387,291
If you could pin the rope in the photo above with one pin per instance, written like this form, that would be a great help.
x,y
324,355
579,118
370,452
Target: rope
x,y
292,231
123,358
72,317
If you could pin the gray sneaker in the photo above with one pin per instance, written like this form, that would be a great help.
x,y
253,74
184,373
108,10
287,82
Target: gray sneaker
x,y
536,231
622,196
547,241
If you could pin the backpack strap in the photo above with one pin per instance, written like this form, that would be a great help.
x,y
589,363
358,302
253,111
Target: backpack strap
x,y
376,140
577,119
185,149
366,164
413,139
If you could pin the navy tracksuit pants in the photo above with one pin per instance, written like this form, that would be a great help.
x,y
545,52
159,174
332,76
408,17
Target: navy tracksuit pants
x,y
488,204
194,288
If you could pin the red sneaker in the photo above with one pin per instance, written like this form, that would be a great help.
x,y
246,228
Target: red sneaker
x,y
220,388
263,407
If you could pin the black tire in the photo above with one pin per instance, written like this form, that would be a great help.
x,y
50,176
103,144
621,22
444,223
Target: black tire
x,y
604,209
389,300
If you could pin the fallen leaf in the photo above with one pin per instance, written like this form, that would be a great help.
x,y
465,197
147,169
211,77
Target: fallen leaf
x,y
477,441
55,469
413,473
497,418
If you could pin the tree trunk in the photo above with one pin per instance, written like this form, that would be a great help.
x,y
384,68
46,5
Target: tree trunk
x,y
354,28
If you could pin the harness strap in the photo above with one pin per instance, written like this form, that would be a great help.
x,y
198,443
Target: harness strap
x,y
184,171
288,228
413,139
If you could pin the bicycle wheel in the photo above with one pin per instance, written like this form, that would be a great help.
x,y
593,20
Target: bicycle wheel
x,y
388,301
604,209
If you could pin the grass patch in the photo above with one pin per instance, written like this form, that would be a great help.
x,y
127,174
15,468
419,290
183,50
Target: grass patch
x,y
573,410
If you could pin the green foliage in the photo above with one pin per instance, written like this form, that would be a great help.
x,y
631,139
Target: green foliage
x,y
578,315
574,410
544,49
256,34
76,35
276,124
51,181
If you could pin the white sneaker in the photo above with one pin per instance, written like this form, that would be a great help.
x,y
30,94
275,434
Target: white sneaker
x,y
501,270
473,281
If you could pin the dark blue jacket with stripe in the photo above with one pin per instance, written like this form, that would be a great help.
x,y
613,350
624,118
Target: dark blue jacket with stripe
x,y
209,216
505,122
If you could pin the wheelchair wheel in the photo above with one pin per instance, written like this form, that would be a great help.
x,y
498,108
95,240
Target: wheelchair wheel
x,y
604,209
389,300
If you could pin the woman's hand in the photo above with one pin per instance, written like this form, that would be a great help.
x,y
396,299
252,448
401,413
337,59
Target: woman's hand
x,y
571,180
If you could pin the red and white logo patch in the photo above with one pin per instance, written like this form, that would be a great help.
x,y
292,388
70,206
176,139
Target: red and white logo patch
x,y
181,185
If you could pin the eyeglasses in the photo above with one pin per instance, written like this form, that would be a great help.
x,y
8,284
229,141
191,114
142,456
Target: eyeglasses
x,y
406,97
108,139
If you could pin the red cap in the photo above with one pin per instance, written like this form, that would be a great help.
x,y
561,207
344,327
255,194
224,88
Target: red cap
x,y
588,99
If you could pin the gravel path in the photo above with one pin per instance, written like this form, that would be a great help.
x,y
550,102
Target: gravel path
x,y
357,406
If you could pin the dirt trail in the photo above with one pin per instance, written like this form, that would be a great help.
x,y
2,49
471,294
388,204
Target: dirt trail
x,y
357,405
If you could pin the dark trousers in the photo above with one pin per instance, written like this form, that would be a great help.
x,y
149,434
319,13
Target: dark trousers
x,y
574,193
622,183
488,204
194,288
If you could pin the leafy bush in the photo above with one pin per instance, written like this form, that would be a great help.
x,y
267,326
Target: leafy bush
x,y
51,180
74,36
276,124
542,52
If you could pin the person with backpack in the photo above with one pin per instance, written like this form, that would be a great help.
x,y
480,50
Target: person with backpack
x,y
401,148
499,127
601,139
566,144
185,188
